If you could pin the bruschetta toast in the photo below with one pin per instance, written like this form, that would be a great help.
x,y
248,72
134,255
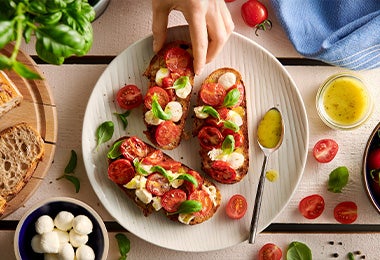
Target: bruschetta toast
x,y
156,182
166,103
221,126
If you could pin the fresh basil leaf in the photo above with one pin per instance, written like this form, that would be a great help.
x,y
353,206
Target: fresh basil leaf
x,y
162,171
231,125
298,251
5,62
6,29
181,82
187,207
24,71
73,180
138,168
211,111
158,111
338,179
124,245
188,177
123,118
231,98
114,151
228,145
37,7
55,5
48,56
49,18
104,132
70,167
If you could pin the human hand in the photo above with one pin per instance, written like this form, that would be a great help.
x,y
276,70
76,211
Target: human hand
x,y
210,26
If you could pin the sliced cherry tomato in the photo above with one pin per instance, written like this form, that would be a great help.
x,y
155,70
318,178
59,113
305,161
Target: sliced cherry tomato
x,y
190,187
167,82
170,165
129,97
203,197
346,212
212,94
373,159
178,60
133,147
312,206
255,14
210,137
167,132
172,199
325,150
236,206
212,121
153,158
241,90
270,251
162,97
157,184
121,171
238,136
221,171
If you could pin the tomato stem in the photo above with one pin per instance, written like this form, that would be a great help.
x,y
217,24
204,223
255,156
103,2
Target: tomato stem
x,y
266,25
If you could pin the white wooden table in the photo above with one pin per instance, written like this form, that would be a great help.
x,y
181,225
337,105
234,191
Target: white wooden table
x,y
125,22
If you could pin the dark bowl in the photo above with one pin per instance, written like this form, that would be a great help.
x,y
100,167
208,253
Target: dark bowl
x,y
97,239
372,192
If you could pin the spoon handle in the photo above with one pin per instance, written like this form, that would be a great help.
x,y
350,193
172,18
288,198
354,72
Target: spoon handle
x,y
257,206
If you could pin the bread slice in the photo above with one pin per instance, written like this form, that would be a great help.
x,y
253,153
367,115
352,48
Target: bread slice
x,y
219,167
10,96
148,156
21,148
168,136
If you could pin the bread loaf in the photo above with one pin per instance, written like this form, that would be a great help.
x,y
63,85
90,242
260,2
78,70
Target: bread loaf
x,y
21,148
10,96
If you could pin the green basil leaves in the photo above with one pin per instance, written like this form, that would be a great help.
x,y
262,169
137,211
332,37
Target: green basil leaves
x,y
338,179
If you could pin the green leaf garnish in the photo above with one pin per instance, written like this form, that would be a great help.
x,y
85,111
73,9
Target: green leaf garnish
x,y
181,82
187,207
138,168
211,111
188,177
298,251
123,118
104,132
158,111
114,151
163,172
72,163
124,245
228,145
338,179
231,125
69,171
232,98
73,180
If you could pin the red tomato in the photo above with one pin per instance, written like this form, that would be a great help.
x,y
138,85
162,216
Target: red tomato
x,y
222,172
236,206
312,206
238,136
133,147
270,251
157,184
172,199
255,14
162,97
121,171
210,137
167,82
373,159
241,90
203,197
178,60
212,94
346,212
170,164
325,150
129,97
166,133
153,158
190,187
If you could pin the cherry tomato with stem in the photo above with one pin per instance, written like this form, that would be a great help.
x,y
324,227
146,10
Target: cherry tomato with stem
x,y
255,15
270,251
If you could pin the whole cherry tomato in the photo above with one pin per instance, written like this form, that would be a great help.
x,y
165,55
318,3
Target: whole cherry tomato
x,y
373,159
255,14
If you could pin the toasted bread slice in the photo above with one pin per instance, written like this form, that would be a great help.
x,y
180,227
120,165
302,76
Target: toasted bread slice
x,y
21,148
169,66
156,182
10,96
220,120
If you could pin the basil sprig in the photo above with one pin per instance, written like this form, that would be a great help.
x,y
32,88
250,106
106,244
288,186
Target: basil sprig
x,y
138,168
228,145
158,111
69,171
187,207
104,132
211,111
231,98
124,245
181,82
214,113
114,151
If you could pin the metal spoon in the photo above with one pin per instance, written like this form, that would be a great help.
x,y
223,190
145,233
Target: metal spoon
x,y
267,152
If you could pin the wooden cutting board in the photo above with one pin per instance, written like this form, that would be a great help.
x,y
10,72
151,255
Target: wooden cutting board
x,y
38,110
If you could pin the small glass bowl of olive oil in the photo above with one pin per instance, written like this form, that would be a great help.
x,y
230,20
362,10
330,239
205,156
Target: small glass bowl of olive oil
x,y
344,102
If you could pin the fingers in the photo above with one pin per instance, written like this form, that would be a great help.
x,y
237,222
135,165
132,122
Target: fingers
x,y
199,40
161,10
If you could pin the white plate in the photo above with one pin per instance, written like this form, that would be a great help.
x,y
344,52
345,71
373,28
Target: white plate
x,y
267,84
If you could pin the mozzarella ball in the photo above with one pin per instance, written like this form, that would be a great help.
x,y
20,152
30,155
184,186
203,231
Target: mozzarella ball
x,y
66,252
82,225
76,239
36,244
63,220
175,108
227,80
44,224
63,236
85,253
50,242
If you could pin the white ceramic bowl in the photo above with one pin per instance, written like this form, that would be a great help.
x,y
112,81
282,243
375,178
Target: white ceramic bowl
x,y
98,238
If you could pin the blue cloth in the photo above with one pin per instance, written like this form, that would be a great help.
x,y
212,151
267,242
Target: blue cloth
x,y
344,33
